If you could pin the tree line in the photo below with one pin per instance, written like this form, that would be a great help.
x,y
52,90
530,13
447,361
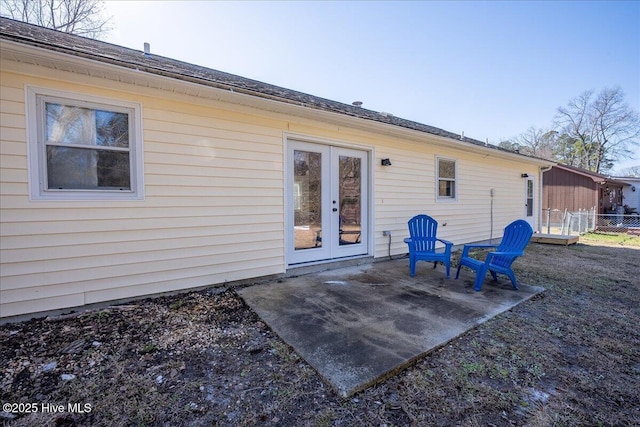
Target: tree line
x,y
81,17
593,131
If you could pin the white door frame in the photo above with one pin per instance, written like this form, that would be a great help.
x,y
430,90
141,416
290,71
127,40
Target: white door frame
x,y
330,248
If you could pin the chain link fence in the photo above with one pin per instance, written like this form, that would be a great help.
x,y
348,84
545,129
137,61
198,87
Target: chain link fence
x,y
555,221
619,223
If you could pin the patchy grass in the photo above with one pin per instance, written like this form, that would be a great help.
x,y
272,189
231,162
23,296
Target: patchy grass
x,y
618,239
568,357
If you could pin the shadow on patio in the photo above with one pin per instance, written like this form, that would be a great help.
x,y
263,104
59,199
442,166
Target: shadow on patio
x,y
359,325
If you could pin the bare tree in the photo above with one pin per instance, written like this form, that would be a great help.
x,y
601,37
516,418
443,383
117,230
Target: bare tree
x,y
573,120
633,171
537,142
616,126
595,131
81,17
534,141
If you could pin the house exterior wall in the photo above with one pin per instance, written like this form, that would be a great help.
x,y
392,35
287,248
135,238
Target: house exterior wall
x,y
407,188
631,192
214,205
567,190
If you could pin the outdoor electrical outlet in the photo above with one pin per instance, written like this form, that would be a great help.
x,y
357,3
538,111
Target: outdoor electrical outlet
x,y
386,233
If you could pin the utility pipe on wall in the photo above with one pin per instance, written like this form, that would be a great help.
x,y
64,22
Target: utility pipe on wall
x,y
492,193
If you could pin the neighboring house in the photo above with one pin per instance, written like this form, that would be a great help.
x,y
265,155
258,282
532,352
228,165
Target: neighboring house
x,y
630,193
573,189
127,174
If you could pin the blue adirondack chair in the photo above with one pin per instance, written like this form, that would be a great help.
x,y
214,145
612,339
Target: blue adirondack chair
x,y
422,243
516,237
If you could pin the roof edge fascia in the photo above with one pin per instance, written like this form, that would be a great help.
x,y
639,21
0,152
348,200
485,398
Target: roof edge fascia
x,y
594,177
231,95
626,178
597,178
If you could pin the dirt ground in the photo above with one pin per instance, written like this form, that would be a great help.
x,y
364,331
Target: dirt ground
x,y
568,357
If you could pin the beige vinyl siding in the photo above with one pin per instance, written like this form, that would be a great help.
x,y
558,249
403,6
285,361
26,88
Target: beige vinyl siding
x,y
408,188
213,208
214,198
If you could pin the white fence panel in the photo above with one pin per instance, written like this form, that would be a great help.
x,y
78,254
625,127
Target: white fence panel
x,y
555,221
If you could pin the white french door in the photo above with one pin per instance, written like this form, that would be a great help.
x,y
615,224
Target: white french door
x,y
327,215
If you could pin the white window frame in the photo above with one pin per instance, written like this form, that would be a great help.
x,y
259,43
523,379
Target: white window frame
x,y
36,150
453,198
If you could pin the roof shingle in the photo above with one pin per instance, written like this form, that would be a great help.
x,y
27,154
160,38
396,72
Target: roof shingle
x,y
134,59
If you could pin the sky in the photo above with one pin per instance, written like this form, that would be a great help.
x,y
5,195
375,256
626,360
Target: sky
x,y
488,69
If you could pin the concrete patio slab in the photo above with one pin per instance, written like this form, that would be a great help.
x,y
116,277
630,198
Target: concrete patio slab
x,y
359,325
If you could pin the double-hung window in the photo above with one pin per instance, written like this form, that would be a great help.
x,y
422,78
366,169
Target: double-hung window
x,y
83,147
446,183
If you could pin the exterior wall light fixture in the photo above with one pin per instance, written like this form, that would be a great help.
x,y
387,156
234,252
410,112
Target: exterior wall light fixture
x,y
524,175
385,162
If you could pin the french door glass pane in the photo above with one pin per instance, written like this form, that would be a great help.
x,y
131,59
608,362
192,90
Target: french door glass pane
x,y
350,195
307,204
